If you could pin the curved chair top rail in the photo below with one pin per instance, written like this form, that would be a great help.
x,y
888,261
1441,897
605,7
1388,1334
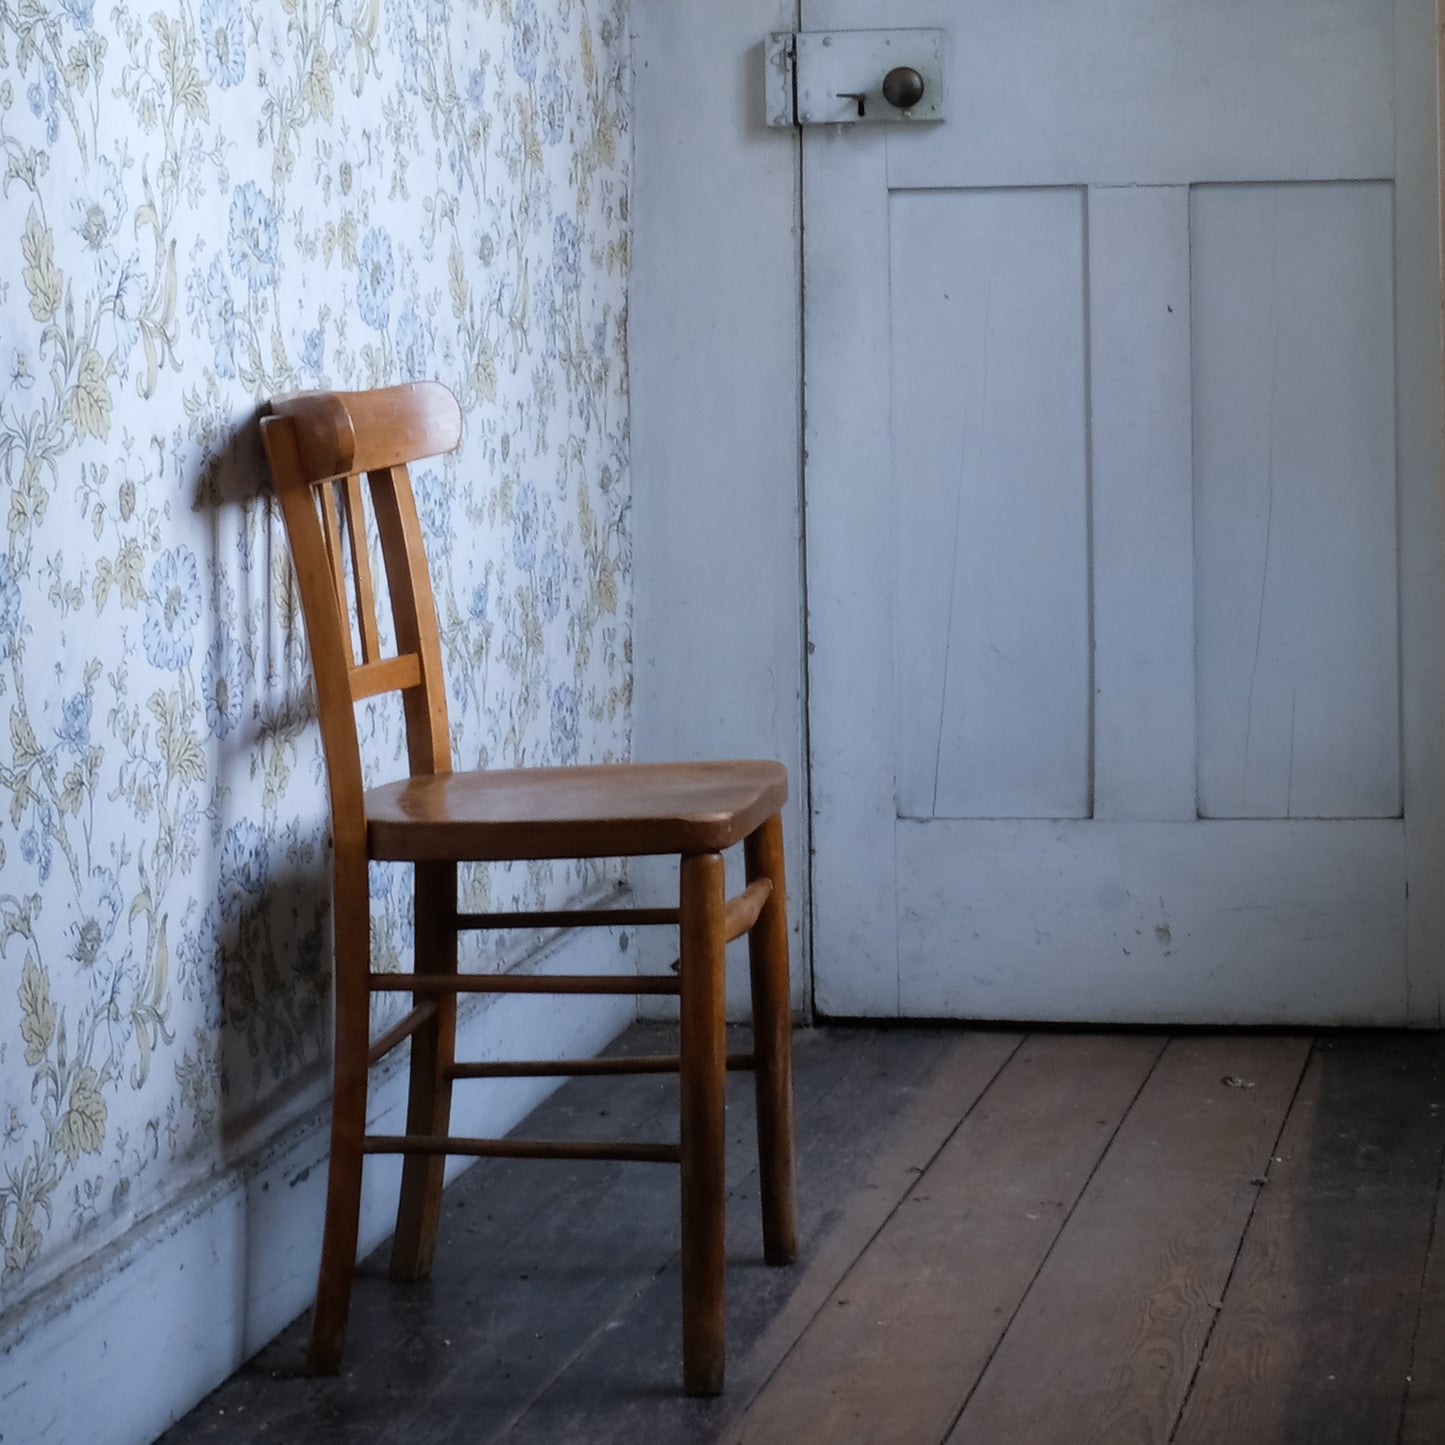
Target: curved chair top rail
x,y
340,433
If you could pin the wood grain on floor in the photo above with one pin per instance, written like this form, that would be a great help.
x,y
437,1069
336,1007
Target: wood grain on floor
x,y
1035,1239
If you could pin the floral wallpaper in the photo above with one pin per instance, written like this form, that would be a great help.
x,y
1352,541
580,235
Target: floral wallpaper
x,y
207,202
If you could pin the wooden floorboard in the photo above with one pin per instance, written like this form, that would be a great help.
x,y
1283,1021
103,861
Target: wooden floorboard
x,y
1062,1237
647,1215
1314,1340
906,1333
860,1149
1104,1345
1424,1422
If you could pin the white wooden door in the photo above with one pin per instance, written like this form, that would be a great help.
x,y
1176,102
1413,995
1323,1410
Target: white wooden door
x,y
1124,524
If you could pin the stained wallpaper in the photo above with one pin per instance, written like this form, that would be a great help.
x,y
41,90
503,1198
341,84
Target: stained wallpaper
x,y
207,202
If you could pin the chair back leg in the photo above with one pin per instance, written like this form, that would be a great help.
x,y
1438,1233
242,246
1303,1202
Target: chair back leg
x,y
773,1044
433,1051
703,1075
348,1121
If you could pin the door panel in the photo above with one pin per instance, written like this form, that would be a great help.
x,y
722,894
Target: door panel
x,y
1294,448
1124,519
991,488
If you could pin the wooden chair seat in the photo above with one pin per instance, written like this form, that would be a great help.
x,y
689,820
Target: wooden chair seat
x,y
608,810
330,453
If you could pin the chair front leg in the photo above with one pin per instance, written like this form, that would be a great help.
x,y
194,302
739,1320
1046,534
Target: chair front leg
x,y
773,1044
433,1049
703,1075
352,931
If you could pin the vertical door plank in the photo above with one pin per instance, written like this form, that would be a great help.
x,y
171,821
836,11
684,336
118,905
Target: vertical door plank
x,y
1294,364
1419,65
1106,1341
896,1349
990,487
1140,413
1314,1339
852,695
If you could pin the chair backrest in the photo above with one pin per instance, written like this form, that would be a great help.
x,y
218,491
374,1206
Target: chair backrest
x,y
320,444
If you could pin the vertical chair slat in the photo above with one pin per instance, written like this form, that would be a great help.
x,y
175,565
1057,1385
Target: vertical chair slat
x,y
352,499
414,617
331,535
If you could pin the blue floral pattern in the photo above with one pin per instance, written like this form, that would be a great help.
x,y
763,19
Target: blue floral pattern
x,y
566,723
211,300
207,204
254,237
173,607
224,29
223,686
552,105
526,40
567,253
244,867
375,279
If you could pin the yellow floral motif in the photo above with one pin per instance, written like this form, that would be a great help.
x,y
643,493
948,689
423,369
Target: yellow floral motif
x,y
37,1015
89,402
41,278
82,1129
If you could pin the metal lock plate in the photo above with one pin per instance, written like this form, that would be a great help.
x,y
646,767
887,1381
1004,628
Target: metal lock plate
x,y
835,77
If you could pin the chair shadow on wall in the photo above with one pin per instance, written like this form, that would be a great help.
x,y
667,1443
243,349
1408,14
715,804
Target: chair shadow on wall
x,y
259,929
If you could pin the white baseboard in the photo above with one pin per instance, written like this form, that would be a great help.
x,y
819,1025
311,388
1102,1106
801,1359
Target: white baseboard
x,y
126,1343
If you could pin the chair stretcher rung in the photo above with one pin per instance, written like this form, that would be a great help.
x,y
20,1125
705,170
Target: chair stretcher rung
x,y
640,1153
390,674
549,1068
521,983
742,911
569,918
402,1030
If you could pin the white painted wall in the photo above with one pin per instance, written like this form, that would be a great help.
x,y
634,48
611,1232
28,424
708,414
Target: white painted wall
x,y
715,361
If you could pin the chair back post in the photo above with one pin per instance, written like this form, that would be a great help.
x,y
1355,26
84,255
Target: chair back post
x,y
327,635
314,441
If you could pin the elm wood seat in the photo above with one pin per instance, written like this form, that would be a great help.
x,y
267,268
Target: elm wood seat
x,y
320,445
594,812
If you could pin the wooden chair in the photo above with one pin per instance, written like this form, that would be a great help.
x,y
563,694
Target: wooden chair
x,y
319,446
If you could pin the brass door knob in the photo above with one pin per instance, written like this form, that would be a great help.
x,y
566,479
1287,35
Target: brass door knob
x,y
903,87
